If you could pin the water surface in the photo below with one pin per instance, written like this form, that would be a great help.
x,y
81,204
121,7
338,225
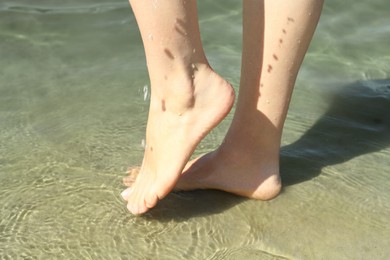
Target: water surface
x,y
72,117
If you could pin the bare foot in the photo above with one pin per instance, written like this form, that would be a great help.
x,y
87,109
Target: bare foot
x,y
177,123
233,172
132,173
226,171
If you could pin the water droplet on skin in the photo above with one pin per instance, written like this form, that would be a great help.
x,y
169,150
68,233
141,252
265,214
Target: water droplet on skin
x,y
267,101
299,41
193,51
179,114
309,14
150,37
193,66
146,92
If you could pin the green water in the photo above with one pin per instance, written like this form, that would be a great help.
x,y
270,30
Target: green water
x,y
72,119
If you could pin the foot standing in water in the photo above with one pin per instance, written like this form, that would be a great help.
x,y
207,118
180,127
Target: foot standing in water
x,y
189,99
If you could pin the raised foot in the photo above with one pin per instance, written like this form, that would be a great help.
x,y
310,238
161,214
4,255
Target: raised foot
x,y
178,120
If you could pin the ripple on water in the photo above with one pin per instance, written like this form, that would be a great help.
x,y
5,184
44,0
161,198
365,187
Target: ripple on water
x,y
245,253
45,214
71,9
58,169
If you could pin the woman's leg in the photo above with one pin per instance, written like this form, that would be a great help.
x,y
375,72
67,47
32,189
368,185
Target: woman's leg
x,y
276,36
188,98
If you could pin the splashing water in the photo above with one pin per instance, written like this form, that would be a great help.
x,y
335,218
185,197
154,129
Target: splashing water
x,y
146,92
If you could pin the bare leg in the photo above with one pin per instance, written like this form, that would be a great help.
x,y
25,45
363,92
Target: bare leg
x,y
188,98
277,34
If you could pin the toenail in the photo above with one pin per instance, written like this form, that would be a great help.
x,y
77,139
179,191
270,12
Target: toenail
x,y
133,209
130,208
125,193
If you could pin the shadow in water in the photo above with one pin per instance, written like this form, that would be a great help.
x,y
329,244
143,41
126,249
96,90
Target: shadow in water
x,y
181,206
357,123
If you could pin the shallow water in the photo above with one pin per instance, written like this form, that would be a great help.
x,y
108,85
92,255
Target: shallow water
x,y
72,117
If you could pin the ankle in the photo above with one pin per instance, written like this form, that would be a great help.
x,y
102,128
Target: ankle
x,y
258,173
182,89
173,94
242,142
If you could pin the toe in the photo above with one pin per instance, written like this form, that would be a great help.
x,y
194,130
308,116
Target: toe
x,y
128,181
126,193
137,208
133,171
151,200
